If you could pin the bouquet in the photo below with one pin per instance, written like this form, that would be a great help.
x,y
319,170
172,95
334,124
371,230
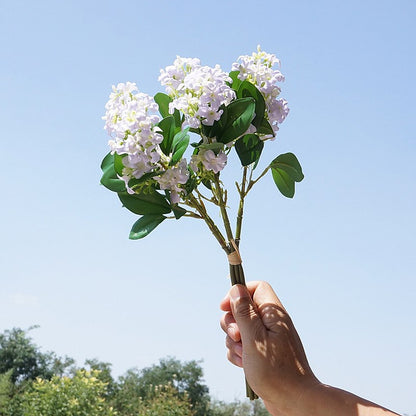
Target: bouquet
x,y
167,152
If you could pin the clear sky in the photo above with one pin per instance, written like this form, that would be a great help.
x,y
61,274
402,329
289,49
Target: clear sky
x,y
341,254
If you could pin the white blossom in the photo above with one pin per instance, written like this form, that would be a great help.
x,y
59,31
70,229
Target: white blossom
x,y
258,69
209,160
130,121
197,91
172,178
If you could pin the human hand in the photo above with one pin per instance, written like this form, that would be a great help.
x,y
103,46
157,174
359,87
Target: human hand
x,y
262,339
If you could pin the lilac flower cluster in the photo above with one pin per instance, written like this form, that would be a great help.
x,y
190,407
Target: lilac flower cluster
x,y
209,161
131,122
173,178
197,91
258,69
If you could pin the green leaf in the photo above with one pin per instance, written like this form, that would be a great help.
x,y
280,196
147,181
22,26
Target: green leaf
x,y
236,81
288,163
111,181
216,147
118,163
240,114
142,204
180,136
163,100
265,128
167,125
145,225
249,148
247,89
284,182
194,130
207,184
107,161
191,183
179,144
178,211
219,125
178,119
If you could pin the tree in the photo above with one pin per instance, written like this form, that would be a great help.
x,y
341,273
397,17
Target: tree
x,y
239,408
82,394
104,374
23,357
164,401
6,392
36,383
185,378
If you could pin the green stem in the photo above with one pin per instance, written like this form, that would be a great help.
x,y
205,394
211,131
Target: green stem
x,y
242,192
236,271
213,200
194,203
223,208
251,183
237,277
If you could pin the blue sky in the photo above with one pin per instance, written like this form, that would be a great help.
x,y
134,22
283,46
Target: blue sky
x,y
340,254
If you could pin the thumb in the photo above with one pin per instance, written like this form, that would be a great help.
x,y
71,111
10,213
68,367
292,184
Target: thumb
x,y
245,313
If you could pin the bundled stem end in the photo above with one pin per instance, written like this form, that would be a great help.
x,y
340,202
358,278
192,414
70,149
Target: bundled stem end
x,y
237,277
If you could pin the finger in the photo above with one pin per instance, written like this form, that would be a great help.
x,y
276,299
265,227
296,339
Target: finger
x,y
235,347
259,290
245,314
225,303
262,293
234,352
229,326
235,359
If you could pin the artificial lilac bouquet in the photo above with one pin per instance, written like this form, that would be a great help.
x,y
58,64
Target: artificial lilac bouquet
x,y
168,151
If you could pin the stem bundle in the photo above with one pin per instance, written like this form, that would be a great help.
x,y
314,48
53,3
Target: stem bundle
x,y
237,277
230,248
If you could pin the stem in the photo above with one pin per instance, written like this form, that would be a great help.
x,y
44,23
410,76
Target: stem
x,y
213,200
242,192
237,277
236,271
224,214
191,215
194,203
250,185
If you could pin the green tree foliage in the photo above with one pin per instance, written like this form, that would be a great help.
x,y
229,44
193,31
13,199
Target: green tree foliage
x,y
239,408
6,392
159,401
23,357
185,378
82,394
103,370
42,384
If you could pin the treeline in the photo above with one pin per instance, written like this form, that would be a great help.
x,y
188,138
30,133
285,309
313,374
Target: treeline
x,y
36,383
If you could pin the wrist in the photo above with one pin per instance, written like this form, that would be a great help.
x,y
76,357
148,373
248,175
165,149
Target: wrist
x,y
296,401
318,399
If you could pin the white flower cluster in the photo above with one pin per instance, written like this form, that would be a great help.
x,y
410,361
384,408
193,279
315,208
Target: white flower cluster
x,y
130,121
258,69
197,91
171,179
209,160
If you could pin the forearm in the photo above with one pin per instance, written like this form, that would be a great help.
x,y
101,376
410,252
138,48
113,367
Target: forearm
x,y
323,400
